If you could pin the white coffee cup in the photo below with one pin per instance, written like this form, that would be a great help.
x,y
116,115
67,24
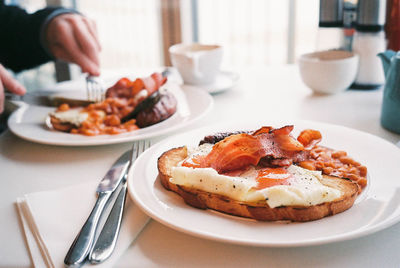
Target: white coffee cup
x,y
198,64
330,71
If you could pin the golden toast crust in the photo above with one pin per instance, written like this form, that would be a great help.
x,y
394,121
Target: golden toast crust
x,y
60,126
260,210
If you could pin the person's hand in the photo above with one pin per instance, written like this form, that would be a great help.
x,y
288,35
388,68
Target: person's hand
x,y
9,83
73,38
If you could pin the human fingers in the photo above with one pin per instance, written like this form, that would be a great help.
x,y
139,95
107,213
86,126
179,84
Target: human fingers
x,y
63,45
7,81
91,25
10,83
85,40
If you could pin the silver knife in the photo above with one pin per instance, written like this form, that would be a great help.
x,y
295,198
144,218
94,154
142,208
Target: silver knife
x,y
82,244
107,239
48,98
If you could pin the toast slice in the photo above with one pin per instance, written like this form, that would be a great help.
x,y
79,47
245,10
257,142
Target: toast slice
x,y
258,210
59,125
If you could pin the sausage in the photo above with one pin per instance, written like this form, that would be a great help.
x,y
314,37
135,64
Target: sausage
x,y
158,111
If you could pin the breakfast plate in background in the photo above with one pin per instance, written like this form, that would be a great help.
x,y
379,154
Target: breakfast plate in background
x,y
377,208
32,122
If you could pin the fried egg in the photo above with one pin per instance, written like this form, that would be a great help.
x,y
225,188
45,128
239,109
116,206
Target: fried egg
x,y
76,116
292,186
73,116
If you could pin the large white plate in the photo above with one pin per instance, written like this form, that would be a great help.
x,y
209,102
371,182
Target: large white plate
x,y
29,122
377,208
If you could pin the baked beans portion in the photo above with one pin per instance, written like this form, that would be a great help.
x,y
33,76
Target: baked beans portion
x,y
336,163
104,118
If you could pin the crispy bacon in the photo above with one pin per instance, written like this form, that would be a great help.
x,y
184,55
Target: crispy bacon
x,y
241,150
125,88
235,152
219,136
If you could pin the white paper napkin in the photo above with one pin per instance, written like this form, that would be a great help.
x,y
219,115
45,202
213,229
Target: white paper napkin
x,y
52,219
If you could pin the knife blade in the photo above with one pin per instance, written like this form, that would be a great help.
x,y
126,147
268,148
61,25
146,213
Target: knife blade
x,y
49,98
83,242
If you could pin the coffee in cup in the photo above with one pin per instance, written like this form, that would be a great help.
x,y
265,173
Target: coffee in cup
x,y
198,64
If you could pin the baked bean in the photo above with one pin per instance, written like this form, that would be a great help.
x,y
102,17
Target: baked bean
x,y
112,120
346,160
338,154
330,164
314,154
362,182
319,165
310,165
352,177
63,107
353,170
327,170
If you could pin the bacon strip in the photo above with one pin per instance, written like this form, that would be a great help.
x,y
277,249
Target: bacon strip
x,y
125,88
241,150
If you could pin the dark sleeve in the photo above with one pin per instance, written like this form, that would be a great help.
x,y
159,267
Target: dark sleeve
x,y
20,33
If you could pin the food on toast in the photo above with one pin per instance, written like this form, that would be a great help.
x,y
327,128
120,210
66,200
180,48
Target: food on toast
x,y
129,105
256,174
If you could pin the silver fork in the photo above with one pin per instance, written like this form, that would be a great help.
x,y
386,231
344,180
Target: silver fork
x,y
107,239
94,89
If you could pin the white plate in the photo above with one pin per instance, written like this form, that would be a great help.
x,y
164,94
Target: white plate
x,y
29,122
377,208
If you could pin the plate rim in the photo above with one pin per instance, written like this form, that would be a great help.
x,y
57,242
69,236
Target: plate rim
x,y
349,235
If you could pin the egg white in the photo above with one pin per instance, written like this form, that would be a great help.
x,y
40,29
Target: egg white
x,y
75,116
72,116
304,189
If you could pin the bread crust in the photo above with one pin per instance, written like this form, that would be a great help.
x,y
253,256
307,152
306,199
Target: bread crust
x,y
260,210
60,126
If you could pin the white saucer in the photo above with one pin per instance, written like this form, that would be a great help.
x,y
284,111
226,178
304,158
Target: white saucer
x,y
224,81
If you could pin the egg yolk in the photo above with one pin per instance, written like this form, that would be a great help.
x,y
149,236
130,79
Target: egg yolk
x,y
268,177
196,161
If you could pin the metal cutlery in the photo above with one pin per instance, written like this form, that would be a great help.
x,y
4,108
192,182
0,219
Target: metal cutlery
x,y
94,89
47,98
82,244
107,239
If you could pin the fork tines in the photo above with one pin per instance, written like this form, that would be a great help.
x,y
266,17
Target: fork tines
x,y
94,89
139,147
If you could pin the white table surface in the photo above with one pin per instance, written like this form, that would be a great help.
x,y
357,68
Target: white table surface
x,y
271,92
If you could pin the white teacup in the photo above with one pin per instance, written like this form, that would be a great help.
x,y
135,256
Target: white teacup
x,y
198,64
330,71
